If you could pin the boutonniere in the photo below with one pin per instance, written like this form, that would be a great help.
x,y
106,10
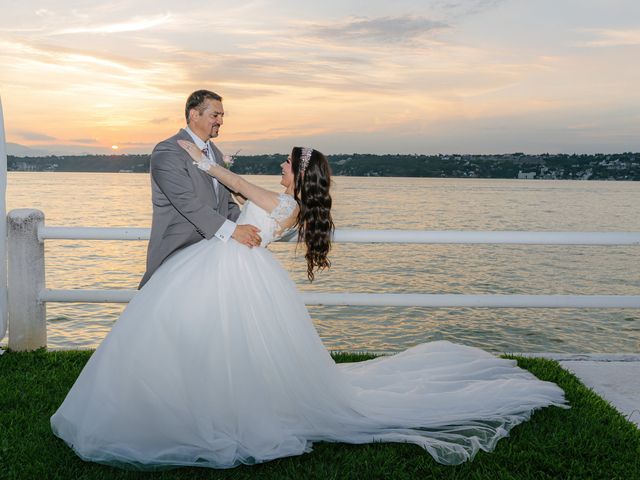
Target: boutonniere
x,y
229,160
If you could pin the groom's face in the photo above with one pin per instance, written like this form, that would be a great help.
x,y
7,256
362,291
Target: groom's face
x,y
207,124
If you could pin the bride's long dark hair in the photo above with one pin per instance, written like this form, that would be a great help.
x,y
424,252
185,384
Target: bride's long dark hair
x,y
315,225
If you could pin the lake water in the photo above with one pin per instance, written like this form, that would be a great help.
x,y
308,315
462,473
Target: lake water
x,y
123,200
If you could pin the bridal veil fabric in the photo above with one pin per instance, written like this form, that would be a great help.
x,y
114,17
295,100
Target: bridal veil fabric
x,y
216,362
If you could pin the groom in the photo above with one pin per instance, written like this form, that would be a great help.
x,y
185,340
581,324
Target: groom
x,y
188,204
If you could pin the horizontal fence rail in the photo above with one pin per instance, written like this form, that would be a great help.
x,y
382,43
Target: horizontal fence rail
x,y
382,236
390,299
92,233
28,294
387,299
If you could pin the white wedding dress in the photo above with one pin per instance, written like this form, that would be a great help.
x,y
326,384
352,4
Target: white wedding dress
x,y
216,362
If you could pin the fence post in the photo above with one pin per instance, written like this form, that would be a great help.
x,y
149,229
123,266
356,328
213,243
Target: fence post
x,y
3,229
27,315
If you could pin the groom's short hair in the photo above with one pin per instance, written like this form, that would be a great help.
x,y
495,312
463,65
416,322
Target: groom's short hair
x,y
196,100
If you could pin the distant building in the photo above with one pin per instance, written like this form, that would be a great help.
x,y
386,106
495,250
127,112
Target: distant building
x,y
586,175
526,175
25,167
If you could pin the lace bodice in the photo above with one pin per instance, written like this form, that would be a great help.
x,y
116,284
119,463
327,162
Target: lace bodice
x,y
270,224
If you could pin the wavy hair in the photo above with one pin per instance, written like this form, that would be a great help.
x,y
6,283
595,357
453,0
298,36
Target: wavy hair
x,y
315,224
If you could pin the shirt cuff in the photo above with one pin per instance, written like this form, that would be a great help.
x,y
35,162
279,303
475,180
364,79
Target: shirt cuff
x,y
226,230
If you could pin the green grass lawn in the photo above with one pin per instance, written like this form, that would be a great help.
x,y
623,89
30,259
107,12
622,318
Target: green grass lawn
x,y
589,441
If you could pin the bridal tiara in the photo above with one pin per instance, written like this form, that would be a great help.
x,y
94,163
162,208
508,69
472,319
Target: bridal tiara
x,y
305,156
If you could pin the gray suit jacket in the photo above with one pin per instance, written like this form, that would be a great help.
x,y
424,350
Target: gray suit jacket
x,y
185,206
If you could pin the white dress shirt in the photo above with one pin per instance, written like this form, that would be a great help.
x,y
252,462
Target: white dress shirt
x,y
228,227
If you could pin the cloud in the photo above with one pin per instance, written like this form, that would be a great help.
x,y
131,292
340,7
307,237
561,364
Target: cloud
x,y
134,25
611,38
56,55
465,8
384,30
43,12
18,150
136,144
35,136
87,70
122,73
273,73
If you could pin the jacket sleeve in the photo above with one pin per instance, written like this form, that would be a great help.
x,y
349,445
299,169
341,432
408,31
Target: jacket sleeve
x,y
234,210
170,173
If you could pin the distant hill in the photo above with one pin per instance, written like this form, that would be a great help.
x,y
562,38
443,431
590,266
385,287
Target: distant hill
x,y
618,166
16,149
80,163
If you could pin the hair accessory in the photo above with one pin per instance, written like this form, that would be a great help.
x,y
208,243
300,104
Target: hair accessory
x,y
305,156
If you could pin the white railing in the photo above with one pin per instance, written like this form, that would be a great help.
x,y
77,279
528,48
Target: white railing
x,y
28,295
381,236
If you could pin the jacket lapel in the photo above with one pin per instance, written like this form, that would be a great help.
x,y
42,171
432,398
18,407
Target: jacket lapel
x,y
217,154
195,172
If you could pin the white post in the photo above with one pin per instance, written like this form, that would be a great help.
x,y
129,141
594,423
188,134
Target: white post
x,y
3,230
27,314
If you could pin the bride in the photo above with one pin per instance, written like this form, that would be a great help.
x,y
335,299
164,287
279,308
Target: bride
x,y
216,362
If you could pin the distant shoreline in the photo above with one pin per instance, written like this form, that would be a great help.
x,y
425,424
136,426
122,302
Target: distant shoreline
x,y
617,166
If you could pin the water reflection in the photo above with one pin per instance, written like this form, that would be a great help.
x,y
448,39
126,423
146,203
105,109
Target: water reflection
x,y
123,200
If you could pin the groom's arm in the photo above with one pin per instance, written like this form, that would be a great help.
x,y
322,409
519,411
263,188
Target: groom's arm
x,y
172,177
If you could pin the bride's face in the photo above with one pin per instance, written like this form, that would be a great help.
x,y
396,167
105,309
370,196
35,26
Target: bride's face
x,y
287,173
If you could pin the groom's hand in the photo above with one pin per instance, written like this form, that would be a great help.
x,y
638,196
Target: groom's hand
x,y
247,234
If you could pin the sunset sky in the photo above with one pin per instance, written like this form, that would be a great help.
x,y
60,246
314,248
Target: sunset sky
x,y
408,76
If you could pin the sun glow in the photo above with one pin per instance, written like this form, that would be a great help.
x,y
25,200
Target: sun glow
x,y
434,77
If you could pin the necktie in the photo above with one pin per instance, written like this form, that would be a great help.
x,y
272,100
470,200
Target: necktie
x,y
205,152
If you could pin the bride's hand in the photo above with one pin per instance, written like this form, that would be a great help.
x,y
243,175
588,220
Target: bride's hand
x,y
196,154
192,150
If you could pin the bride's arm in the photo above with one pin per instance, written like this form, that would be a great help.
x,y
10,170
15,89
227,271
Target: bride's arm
x,y
265,199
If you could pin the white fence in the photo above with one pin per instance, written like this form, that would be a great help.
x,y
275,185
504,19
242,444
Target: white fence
x,y
28,295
